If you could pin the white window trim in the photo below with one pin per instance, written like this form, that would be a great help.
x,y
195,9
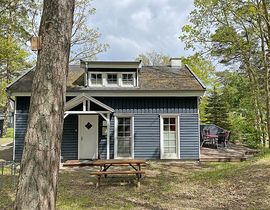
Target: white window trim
x,y
134,79
115,136
105,76
177,116
89,79
112,85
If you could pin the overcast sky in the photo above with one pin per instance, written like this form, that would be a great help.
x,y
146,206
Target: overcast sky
x,y
132,27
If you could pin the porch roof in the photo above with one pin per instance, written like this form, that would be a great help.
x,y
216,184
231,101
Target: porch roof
x,y
82,98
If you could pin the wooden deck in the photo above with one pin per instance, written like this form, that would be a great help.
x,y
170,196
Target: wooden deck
x,y
234,153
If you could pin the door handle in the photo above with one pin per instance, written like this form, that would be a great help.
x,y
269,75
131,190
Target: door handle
x,y
81,138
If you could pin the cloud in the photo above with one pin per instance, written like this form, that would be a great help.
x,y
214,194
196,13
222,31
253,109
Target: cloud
x,y
132,27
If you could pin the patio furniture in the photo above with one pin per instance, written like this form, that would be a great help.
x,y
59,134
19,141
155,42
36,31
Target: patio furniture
x,y
135,166
214,135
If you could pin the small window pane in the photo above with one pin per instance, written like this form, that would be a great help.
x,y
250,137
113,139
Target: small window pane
x,y
172,127
166,128
120,121
127,120
104,131
96,79
166,120
127,79
172,120
112,78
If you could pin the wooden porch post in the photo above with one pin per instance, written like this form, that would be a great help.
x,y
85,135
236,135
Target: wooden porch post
x,y
108,136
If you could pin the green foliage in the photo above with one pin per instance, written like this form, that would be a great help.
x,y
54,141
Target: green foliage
x,y
235,32
239,99
216,111
9,133
3,97
206,72
202,67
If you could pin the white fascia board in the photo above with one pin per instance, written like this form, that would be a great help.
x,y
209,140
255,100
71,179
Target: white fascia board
x,y
82,97
128,93
113,64
197,78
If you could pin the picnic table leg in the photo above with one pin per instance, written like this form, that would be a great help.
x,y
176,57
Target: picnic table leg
x,y
139,166
98,182
138,180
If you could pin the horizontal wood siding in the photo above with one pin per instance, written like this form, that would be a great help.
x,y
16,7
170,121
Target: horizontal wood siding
x,y
112,138
189,137
21,126
146,113
69,148
146,136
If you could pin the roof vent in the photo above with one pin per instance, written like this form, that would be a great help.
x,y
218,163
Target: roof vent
x,y
175,62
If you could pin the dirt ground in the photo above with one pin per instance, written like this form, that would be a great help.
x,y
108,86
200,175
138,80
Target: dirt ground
x,y
166,185
6,152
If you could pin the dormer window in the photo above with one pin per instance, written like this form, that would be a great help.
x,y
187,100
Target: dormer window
x,y
128,79
112,79
96,79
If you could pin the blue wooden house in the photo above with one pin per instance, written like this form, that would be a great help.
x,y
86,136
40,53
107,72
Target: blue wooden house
x,y
122,109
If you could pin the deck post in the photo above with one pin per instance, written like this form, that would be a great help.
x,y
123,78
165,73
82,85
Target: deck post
x,y
108,136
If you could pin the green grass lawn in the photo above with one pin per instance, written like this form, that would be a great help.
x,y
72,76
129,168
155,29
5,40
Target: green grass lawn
x,y
167,185
5,141
8,138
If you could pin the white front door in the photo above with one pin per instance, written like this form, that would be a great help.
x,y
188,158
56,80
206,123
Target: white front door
x,y
88,137
169,137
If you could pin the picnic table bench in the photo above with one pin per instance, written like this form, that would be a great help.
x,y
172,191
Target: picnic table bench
x,y
106,164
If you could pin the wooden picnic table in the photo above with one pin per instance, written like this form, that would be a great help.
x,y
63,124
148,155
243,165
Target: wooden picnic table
x,y
135,166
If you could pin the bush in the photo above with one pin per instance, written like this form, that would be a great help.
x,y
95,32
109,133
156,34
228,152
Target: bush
x,y
10,133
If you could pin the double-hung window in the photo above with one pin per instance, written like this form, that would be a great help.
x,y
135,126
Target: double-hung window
x,y
112,79
128,79
124,137
96,79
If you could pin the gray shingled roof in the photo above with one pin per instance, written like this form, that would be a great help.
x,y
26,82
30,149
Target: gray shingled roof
x,y
150,78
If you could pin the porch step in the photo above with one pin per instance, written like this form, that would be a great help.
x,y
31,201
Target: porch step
x,y
224,159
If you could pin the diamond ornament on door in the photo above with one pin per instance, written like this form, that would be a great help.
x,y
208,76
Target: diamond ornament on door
x,y
88,125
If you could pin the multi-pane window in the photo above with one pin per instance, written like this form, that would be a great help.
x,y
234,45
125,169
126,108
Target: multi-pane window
x,y
124,137
169,135
96,79
128,79
112,79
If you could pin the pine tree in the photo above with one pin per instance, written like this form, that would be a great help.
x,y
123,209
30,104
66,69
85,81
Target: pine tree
x,y
216,110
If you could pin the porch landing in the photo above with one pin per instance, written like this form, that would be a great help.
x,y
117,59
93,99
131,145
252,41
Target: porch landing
x,y
234,153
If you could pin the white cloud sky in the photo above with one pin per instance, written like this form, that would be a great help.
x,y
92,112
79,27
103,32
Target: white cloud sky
x,y
132,27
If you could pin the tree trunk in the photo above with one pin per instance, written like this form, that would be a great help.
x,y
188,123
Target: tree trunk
x,y
266,64
37,185
6,114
